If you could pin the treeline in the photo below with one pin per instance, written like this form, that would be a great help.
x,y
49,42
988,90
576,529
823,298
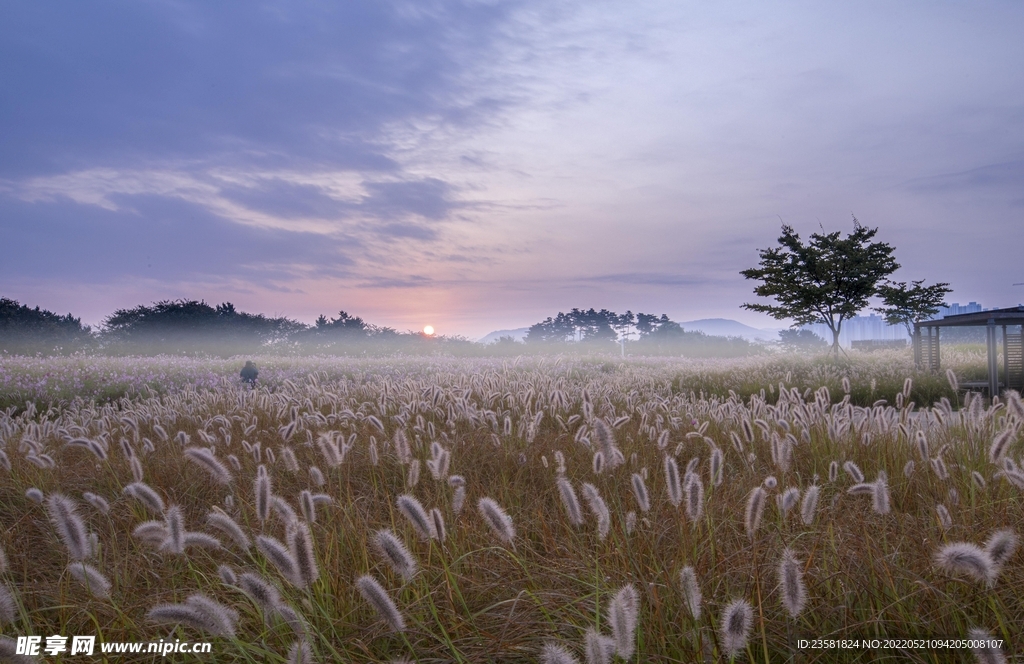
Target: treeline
x,y
637,334
195,327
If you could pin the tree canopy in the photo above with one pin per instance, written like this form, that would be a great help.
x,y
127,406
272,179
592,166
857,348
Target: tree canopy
x,y
826,280
905,305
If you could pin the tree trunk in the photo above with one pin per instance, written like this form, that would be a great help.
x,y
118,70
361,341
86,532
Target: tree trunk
x,y
835,342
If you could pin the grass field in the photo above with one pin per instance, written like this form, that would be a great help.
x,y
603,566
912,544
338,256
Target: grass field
x,y
475,510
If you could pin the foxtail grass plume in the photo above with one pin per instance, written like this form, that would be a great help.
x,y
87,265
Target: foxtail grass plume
x,y
968,559
986,649
412,478
8,608
300,653
880,495
1000,444
623,615
640,491
99,502
91,578
1001,546
791,584
605,439
944,519
262,592
569,501
788,499
281,557
716,467
598,648
978,479
458,499
921,441
853,470
737,620
227,575
809,505
262,490
198,612
35,495
378,598
224,523
599,508
204,458
146,495
908,469
691,590
300,544
307,506
833,471
393,552
755,508
770,482
598,464
497,519
70,527
552,653
439,530
674,488
283,510
417,516
174,522
694,491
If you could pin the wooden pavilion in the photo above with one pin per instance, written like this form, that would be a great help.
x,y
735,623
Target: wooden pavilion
x,y
926,345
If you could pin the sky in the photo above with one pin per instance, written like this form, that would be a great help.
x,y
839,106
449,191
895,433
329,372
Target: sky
x,y
481,165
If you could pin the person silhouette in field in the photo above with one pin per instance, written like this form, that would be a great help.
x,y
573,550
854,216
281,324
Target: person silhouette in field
x,y
249,373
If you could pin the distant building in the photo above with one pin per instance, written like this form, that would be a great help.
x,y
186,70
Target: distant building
x,y
874,327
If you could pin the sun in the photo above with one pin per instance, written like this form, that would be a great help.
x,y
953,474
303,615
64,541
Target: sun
x,y
428,330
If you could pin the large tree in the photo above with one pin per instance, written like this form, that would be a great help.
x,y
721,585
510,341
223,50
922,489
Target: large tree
x,y
827,280
905,305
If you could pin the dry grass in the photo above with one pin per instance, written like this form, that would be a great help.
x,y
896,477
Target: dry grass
x,y
476,597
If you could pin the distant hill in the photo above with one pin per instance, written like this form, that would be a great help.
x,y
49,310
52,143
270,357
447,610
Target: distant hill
x,y
716,327
518,334
725,327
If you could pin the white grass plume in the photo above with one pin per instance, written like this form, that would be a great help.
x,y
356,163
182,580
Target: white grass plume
x,y
599,509
737,620
151,532
458,499
1001,546
393,552
691,590
623,615
227,575
672,485
569,500
262,490
854,471
754,511
204,458
35,495
300,544
598,648
99,502
833,471
265,594
278,554
413,510
283,510
224,523
146,495
91,578
716,469
694,490
791,583
1000,445
640,491
552,653
378,598
300,653
8,607
440,532
788,499
413,476
307,506
809,505
316,476
984,647
880,495
497,519
198,612
69,525
966,558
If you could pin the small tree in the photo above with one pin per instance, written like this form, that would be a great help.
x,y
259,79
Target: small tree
x,y
828,280
905,305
